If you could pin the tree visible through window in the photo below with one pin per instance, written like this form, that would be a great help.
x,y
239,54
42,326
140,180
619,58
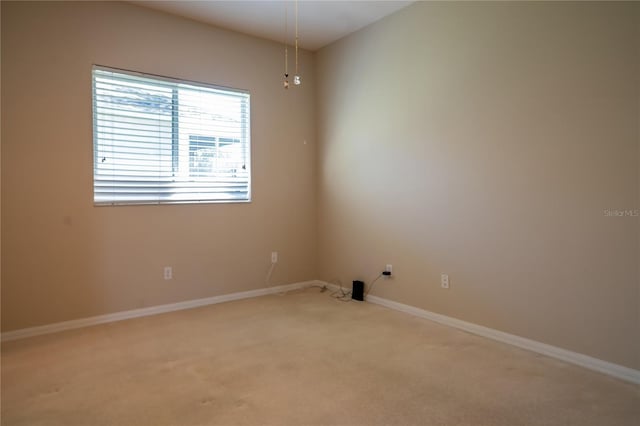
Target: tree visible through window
x,y
161,140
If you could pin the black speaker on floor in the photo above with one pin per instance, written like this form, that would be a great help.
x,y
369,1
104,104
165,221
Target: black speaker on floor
x,y
358,291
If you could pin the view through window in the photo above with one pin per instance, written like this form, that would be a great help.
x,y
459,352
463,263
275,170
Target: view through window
x,y
162,140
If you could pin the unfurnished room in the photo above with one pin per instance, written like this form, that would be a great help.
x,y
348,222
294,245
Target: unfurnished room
x,y
320,213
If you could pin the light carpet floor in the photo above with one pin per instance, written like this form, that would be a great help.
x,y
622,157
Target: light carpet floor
x,y
301,358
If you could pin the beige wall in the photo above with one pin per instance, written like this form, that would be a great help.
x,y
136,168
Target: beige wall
x,y
0,163
64,258
638,170
484,140
480,140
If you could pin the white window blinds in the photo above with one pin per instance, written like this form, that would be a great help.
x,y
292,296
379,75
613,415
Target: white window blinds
x,y
160,140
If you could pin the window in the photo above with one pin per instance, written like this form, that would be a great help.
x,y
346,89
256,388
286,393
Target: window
x,y
208,153
160,140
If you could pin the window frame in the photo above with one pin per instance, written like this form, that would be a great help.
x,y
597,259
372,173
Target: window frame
x,y
176,147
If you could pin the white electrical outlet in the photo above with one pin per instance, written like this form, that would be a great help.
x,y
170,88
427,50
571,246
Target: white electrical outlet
x,y
274,257
444,280
388,268
168,273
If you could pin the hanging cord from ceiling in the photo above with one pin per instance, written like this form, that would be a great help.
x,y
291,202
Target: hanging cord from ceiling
x,y
286,49
296,78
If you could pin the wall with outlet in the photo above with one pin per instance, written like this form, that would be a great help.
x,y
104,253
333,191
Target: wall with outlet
x,y
65,259
476,142
476,146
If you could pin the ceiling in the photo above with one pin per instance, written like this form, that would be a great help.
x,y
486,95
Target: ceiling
x,y
320,22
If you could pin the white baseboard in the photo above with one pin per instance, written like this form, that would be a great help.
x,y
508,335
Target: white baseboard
x,y
143,312
615,370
